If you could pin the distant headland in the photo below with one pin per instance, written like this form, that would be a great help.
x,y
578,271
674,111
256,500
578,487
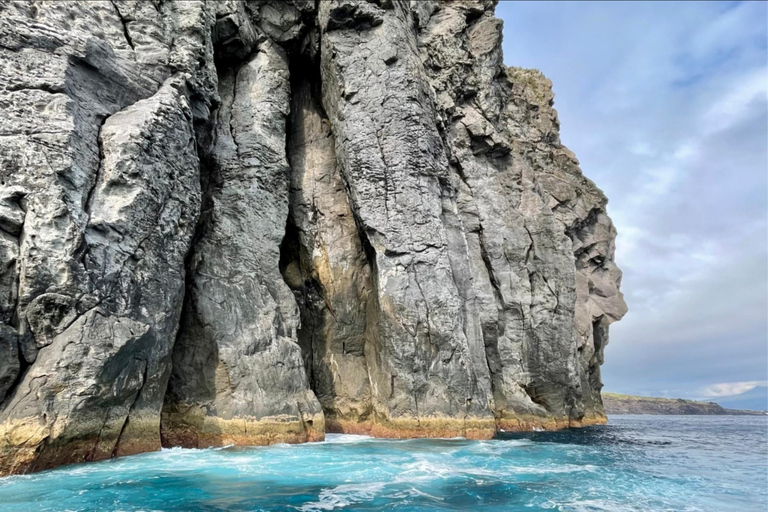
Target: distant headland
x,y
628,404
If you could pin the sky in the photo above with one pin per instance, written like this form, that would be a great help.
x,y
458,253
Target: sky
x,y
666,107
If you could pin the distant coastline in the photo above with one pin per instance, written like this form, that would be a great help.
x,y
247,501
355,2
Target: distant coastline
x,y
628,404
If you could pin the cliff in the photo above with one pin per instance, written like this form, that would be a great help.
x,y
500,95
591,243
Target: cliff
x,y
628,404
257,221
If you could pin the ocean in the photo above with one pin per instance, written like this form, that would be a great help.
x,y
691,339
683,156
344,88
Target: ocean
x,y
635,463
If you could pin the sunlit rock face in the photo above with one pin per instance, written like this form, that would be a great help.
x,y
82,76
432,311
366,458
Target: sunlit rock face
x,y
257,221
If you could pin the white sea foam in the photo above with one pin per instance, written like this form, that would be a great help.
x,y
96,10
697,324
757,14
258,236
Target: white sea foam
x,y
346,438
423,470
563,468
498,446
596,505
412,491
343,496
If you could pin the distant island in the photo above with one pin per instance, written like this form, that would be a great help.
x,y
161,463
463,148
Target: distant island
x,y
628,404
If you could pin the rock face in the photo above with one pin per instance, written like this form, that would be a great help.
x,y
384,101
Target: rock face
x,y
238,376
252,221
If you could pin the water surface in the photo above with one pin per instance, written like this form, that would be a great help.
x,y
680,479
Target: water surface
x,y
636,463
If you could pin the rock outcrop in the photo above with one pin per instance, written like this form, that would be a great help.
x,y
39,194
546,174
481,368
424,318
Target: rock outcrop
x,y
254,221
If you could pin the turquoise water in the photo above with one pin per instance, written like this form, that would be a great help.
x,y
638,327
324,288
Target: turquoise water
x,y
636,463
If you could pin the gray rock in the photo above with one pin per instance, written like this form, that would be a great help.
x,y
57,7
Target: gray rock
x,y
251,221
9,358
98,380
427,366
238,376
325,264
501,133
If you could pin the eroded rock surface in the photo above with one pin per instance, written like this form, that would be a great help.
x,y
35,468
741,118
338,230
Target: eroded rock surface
x,y
252,221
238,376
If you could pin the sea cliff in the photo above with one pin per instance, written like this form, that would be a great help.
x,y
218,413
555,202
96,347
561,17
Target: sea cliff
x,y
257,221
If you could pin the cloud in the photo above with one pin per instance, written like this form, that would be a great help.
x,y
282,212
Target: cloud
x,y
666,106
742,101
731,388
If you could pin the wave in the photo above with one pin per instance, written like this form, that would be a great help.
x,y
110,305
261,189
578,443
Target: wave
x,y
346,438
596,505
343,496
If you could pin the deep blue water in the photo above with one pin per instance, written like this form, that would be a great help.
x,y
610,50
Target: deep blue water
x,y
636,463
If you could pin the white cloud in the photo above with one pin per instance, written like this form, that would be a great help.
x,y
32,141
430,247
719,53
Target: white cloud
x,y
746,96
730,388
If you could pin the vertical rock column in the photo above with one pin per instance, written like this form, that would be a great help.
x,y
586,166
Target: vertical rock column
x,y
424,380
96,390
99,211
238,375
579,207
501,134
